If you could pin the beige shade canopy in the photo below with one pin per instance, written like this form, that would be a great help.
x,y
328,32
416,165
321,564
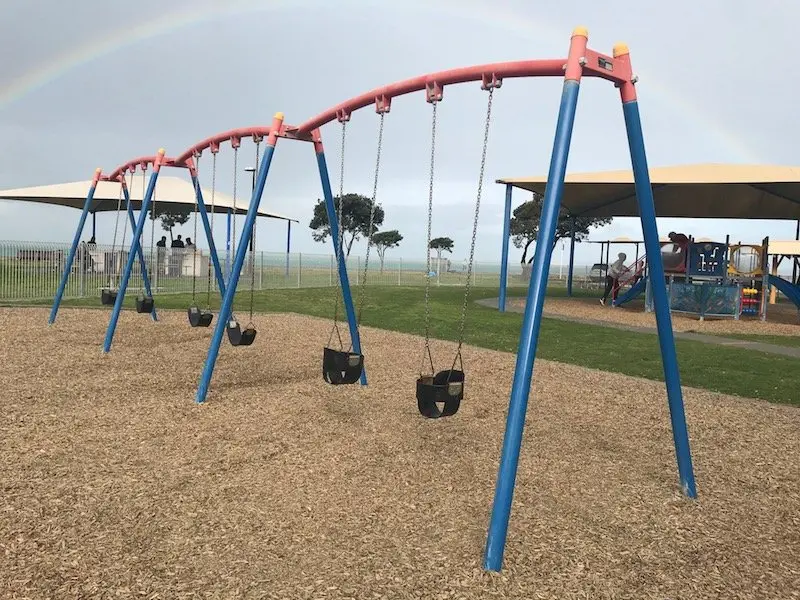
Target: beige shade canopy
x,y
716,191
173,191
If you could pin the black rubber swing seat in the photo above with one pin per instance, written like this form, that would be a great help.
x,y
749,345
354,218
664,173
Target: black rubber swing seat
x,y
238,336
144,304
341,367
446,387
108,297
199,318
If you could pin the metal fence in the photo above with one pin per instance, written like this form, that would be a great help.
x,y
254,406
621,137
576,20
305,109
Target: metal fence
x,y
31,271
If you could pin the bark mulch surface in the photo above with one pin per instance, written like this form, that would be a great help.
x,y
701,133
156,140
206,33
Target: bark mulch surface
x,y
782,319
115,484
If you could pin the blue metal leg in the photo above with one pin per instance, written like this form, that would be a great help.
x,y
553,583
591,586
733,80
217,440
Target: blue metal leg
x,y
139,252
238,262
644,193
343,278
501,301
135,247
212,247
571,270
529,336
72,249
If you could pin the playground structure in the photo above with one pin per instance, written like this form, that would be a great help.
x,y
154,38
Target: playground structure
x,y
715,279
346,364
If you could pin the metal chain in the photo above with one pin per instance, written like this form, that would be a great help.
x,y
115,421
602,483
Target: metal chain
x,y
116,227
428,245
475,225
194,247
152,227
213,194
235,177
338,246
124,235
253,244
371,219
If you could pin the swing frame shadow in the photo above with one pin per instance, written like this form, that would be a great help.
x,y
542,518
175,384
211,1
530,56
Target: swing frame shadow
x,y
580,62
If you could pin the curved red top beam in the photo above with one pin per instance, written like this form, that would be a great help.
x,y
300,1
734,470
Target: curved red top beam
x,y
433,82
234,135
143,162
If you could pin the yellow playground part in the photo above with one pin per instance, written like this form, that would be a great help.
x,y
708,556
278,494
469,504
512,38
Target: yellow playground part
x,y
746,260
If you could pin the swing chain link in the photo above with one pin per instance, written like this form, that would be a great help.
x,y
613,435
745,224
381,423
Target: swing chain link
x,y
213,194
475,223
253,241
337,247
235,202
116,227
427,350
152,227
373,207
196,210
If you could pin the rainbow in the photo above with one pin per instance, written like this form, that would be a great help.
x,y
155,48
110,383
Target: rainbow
x,y
470,10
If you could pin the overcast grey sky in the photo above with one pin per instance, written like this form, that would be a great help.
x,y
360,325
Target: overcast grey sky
x,y
90,83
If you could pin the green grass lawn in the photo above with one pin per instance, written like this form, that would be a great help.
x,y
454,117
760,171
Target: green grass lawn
x,y
777,340
724,369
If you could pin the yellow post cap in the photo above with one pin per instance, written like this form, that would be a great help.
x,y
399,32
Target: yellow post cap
x,y
161,151
98,170
580,30
620,49
279,115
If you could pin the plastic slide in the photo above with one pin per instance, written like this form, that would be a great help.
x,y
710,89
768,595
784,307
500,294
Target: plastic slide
x,y
786,288
633,292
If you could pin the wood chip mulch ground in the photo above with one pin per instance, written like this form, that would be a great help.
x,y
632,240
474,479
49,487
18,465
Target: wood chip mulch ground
x,y
115,484
782,319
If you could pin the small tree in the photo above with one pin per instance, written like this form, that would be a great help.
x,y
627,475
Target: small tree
x,y
383,240
171,216
355,219
441,244
525,225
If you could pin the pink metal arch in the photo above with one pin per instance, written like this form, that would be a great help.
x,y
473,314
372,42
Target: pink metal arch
x,y
491,75
235,136
616,69
143,162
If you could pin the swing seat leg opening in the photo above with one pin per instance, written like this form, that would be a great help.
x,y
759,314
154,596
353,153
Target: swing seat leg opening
x,y
238,336
144,304
108,297
199,318
341,367
445,388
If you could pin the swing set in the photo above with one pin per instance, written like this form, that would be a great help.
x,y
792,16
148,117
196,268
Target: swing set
x,y
439,393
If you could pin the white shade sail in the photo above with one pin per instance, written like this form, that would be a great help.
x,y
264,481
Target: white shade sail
x,y
173,191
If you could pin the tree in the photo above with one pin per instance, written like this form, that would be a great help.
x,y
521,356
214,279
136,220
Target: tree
x,y
441,244
383,240
525,225
171,216
355,219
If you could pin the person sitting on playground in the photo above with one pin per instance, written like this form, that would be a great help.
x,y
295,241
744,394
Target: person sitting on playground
x,y
189,242
679,239
614,271
177,242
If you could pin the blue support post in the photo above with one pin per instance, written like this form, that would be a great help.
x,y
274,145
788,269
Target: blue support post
x,y
140,255
529,335
135,247
647,212
571,270
212,247
344,280
238,262
501,301
73,248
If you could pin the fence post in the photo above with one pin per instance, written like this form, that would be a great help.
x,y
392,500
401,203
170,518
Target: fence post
x,y
400,272
82,280
299,269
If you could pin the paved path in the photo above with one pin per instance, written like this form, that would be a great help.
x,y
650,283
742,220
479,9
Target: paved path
x,y
681,335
